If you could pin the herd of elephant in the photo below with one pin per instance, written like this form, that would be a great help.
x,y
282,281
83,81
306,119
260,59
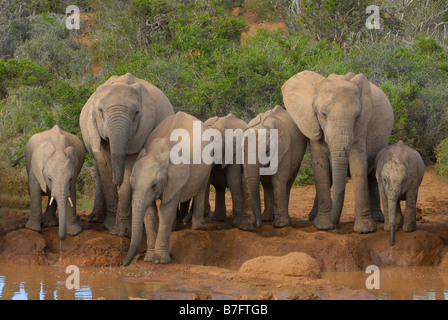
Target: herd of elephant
x,y
126,124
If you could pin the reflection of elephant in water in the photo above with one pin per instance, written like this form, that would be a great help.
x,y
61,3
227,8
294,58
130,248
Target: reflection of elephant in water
x,y
399,171
348,121
54,159
115,123
156,176
229,174
291,148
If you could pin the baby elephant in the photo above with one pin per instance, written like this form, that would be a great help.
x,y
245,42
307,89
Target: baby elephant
x,y
399,171
167,170
54,159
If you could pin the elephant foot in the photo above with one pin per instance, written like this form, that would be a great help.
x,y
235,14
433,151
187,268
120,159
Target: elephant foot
x,y
163,258
268,215
122,229
109,221
199,225
149,256
377,215
243,224
74,228
50,220
364,225
409,227
313,214
96,216
323,222
281,221
219,216
34,225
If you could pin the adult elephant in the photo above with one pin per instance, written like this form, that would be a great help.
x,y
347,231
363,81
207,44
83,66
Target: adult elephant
x,y
348,121
115,123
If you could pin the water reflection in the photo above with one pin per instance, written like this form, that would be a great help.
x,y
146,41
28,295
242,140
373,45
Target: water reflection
x,y
399,283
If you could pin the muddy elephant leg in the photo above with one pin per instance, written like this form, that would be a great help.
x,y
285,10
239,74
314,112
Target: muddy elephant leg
x,y
151,221
122,225
99,205
321,168
110,194
162,245
281,216
268,194
35,219
234,180
198,222
410,215
358,171
220,204
374,198
73,224
50,219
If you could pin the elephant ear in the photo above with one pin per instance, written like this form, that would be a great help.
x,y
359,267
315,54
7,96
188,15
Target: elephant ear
x,y
177,176
298,97
366,99
146,123
39,157
284,138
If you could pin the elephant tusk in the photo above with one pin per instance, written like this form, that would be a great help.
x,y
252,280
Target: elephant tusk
x,y
71,203
51,200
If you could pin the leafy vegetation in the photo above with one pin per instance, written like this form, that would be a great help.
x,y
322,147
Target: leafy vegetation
x,y
192,50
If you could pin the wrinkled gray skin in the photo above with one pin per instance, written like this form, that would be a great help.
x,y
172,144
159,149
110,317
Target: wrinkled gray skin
x,y
154,176
399,171
115,123
348,121
54,159
229,175
291,148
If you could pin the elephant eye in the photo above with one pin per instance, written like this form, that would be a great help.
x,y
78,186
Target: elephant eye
x,y
154,185
100,110
323,114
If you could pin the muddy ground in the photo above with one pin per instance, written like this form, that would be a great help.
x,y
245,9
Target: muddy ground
x,y
233,259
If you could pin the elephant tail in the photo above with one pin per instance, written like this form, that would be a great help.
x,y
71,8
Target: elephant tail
x,y
14,163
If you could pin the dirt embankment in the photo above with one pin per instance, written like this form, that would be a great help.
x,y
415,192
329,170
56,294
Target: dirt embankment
x,y
223,252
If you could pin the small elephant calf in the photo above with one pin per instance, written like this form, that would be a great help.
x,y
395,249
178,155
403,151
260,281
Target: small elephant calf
x,y
399,171
54,159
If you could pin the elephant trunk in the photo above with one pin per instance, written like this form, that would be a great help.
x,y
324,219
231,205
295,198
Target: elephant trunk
x,y
339,167
392,206
118,137
138,211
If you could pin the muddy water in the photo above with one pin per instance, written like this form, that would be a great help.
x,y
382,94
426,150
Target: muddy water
x,y
49,283
398,283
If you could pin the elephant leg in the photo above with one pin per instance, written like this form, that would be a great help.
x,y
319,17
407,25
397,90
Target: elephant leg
x,y
151,221
321,168
358,171
220,204
110,194
268,193
234,181
50,219
122,225
281,216
198,209
374,198
35,219
410,215
99,205
73,224
162,245
207,209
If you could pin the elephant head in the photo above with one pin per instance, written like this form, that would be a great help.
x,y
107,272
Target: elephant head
x,y
337,109
153,177
54,167
122,119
